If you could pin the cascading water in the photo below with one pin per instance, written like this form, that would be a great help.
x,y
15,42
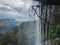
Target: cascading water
x,y
37,29
30,31
38,34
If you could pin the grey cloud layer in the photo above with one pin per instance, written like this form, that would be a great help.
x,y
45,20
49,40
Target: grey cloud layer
x,y
14,9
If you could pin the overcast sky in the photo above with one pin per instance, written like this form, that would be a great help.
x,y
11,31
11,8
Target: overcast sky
x,y
14,9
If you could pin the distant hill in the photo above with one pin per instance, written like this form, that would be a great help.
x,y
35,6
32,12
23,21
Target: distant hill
x,y
7,24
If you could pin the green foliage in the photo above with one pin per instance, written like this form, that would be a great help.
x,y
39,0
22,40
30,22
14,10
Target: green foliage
x,y
9,38
58,30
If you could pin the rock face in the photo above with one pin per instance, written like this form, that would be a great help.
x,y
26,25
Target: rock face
x,y
28,33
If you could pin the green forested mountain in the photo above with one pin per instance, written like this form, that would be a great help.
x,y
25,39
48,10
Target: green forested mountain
x,y
28,31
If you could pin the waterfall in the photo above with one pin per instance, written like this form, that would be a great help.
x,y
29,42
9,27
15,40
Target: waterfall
x,y
37,28
38,33
31,31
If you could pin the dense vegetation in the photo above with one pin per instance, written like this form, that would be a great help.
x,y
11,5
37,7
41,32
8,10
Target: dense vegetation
x,y
55,33
9,38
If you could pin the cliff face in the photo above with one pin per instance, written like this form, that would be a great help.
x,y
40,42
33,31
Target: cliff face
x,y
28,33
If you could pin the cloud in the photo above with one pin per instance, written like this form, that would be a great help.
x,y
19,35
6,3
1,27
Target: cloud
x,y
16,9
17,3
5,6
11,13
